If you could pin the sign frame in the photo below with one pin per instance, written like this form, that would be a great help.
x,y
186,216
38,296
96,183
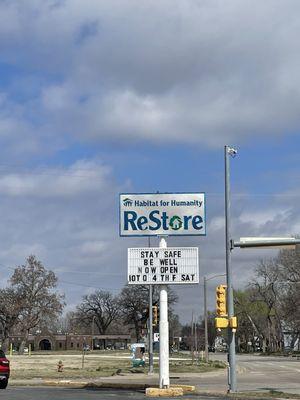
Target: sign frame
x,y
164,234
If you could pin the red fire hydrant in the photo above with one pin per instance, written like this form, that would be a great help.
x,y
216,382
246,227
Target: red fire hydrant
x,y
60,366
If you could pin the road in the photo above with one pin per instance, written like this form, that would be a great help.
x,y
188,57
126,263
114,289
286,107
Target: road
x,y
258,373
25,393
254,373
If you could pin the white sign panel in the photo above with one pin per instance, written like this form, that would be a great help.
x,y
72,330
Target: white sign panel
x,y
162,214
155,265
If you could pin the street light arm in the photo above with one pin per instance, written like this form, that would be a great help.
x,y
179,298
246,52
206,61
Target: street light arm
x,y
213,277
267,242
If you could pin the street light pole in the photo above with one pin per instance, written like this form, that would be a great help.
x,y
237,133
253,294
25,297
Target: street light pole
x,y
231,332
93,332
205,322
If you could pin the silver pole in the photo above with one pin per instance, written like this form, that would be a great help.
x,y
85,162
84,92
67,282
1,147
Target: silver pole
x,y
150,352
150,330
93,332
205,322
230,307
164,377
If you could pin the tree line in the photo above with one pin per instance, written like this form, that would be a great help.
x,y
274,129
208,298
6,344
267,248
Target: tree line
x,y
126,312
31,303
268,310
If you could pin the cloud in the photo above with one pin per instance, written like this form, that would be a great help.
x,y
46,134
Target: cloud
x,y
192,72
128,72
66,216
78,179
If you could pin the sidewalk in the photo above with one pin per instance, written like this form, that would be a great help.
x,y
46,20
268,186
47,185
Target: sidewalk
x,y
210,383
134,381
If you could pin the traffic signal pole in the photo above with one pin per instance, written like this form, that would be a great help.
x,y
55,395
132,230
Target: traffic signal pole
x,y
150,321
164,378
231,331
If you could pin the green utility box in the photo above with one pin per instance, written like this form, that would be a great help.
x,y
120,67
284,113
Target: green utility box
x,y
138,354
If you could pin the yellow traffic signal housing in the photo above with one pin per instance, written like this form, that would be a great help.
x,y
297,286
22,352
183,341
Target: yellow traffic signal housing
x,y
233,322
221,322
154,315
221,306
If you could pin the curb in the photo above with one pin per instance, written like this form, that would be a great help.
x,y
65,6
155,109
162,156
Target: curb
x,y
100,385
189,389
170,392
185,388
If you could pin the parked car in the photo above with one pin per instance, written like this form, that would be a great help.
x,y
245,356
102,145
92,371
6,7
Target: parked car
x,y
4,370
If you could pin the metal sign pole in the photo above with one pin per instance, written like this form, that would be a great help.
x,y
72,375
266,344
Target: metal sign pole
x,y
150,330
164,379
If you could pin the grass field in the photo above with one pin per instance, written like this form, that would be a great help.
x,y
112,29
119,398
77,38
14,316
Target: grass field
x,y
94,365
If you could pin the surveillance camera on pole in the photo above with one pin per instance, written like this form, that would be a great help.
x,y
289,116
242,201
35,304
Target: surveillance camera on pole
x,y
230,150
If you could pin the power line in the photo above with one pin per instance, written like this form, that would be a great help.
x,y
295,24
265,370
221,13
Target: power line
x,y
88,286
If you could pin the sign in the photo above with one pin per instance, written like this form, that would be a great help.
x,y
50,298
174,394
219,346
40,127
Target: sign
x,y
155,265
171,214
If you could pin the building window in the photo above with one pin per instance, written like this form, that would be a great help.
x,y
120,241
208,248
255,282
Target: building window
x,y
72,344
78,345
60,345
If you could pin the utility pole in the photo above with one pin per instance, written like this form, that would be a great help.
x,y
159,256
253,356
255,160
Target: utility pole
x,y
231,331
196,339
192,334
93,332
205,322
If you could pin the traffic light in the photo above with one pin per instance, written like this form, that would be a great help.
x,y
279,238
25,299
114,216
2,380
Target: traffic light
x,y
144,317
221,307
154,315
221,323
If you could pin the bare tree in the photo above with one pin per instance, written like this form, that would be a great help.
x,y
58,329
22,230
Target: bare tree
x,y
252,315
38,300
10,310
289,265
101,308
288,262
134,301
269,289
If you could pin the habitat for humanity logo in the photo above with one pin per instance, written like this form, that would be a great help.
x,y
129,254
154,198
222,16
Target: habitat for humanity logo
x,y
127,202
175,223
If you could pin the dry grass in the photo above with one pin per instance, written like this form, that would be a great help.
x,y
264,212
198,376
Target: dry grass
x,y
45,366
96,365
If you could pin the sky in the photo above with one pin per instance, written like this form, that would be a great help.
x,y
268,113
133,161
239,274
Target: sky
x,y
99,98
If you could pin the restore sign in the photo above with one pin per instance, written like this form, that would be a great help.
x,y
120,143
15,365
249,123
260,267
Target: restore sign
x,y
155,214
